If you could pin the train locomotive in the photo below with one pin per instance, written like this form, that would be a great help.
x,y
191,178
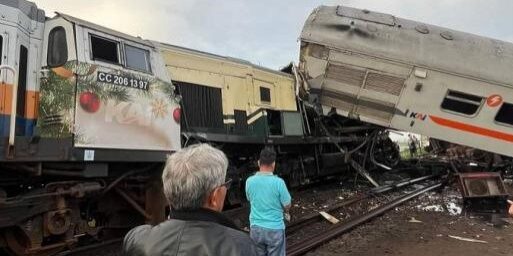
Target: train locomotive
x,y
90,114
88,117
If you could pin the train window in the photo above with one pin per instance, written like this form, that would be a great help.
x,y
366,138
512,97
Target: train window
x,y
22,81
462,103
265,94
505,114
1,47
137,58
104,49
57,47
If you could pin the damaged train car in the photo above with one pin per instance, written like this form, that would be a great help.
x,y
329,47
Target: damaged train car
x,y
410,76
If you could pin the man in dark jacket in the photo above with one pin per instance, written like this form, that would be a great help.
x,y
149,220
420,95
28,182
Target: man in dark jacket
x,y
195,187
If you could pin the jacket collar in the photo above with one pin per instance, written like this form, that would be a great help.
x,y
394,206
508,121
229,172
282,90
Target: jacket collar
x,y
202,214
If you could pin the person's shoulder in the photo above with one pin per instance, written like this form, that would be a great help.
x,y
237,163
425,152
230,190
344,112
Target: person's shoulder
x,y
134,237
241,241
278,179
138,232
153,240
250,179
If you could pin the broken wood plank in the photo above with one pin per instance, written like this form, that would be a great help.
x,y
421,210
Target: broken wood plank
x,y
329,217
468,239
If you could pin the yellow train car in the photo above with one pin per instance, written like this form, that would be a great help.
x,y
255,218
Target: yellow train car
x,y
228,99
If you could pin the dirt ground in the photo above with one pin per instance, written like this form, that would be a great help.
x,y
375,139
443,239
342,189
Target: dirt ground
x,y
422,227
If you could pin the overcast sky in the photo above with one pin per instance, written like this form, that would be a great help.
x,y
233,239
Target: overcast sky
x,y
265,32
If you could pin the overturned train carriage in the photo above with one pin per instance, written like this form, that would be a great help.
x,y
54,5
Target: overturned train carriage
x,y
410,76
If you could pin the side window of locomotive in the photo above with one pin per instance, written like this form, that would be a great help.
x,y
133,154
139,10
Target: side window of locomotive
x,y
505,114
462,103
137,58
104,49
57,47
22,81
265,95
1,48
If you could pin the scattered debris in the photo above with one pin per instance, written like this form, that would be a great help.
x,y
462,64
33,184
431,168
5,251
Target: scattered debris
x,y
468,239
432,208
453,209
413,220
329,217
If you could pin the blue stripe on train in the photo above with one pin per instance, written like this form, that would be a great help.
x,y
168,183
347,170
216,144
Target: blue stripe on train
x,y
24,127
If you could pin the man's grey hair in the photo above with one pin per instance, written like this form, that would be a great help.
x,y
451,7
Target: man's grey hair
x,y
191,174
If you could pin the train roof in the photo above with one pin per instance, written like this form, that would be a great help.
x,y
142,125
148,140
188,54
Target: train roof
x,y
154,44
222,58
106,30
414,43
28,8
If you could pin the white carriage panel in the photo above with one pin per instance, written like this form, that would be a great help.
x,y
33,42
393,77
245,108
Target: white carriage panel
x,y
421,112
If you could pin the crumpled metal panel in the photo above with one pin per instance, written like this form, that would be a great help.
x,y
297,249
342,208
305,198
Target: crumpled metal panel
x,y
376,17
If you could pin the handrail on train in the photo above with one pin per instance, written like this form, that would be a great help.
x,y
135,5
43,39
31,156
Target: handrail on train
x,y
14,103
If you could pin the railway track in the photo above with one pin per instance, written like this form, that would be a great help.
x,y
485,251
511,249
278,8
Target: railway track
x,y
313,217
316,239
111,247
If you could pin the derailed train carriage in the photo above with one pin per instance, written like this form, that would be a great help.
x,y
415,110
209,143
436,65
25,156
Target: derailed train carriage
x,y
90,114
402,74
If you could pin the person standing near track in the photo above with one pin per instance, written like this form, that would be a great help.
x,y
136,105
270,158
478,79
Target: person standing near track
x,y
270,201
195,186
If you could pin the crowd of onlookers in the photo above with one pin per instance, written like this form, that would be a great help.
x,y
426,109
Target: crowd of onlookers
x,y
195,185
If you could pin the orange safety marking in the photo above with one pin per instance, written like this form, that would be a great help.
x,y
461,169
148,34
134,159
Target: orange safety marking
x,y
473,129
6,99
3,97
31,104
31,101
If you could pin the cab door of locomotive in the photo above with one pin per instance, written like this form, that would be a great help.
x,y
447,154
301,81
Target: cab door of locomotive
x,y
57,85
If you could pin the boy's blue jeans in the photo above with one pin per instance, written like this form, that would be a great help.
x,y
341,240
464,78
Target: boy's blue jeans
x,y
270,242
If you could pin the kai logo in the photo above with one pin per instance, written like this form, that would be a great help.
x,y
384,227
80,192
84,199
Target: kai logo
x,y
494,100
413,115
418,116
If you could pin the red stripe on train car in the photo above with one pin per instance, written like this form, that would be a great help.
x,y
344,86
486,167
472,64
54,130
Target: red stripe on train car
x,y
472,129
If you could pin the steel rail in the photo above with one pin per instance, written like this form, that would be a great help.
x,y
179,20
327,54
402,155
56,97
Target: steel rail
x,y
310,218
310,243
86,248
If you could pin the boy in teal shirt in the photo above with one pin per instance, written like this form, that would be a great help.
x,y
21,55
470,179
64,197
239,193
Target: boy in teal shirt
x,y
270,200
